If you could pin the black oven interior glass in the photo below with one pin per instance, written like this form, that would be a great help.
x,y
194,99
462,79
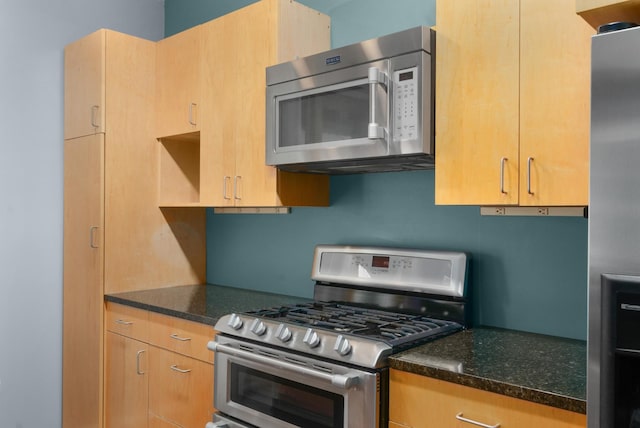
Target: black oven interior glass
x,y
292,402
621,360
324,117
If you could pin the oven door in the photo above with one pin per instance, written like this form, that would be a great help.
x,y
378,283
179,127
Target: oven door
x,y
271,388
342,114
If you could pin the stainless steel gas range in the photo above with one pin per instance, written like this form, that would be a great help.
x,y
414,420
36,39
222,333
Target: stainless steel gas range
x,y
324,364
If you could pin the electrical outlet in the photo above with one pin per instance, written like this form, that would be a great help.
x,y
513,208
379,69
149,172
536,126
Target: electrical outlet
x,y
500,211
543,211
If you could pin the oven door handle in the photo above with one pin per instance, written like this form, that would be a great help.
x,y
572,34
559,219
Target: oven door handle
x,y
345,381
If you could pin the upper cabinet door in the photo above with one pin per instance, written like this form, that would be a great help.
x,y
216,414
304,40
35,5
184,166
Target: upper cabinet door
x,y
84,107
232,144
178,73
555,70
477,85
512,106
220,161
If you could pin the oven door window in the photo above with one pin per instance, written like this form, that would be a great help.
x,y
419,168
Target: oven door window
x,y
289,401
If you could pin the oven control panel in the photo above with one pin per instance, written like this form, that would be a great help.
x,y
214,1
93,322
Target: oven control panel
x,y
434,272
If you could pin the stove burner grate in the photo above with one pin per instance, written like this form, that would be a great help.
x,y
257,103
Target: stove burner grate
x,y
394,328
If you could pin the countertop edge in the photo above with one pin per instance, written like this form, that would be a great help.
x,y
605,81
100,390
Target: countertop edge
x,y
515,391
161,310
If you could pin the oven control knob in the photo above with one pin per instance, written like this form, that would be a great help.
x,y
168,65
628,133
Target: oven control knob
x,y
311,338
235,322
258,328
283,333
343,347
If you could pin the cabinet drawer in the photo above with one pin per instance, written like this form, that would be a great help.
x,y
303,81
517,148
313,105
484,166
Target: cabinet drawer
x,y
412,397
182,336
128,321
180,388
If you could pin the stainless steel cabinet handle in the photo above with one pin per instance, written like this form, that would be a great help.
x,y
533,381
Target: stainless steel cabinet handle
x,y
94,116
179,370
92,236
472,422
503,161
123,322
181,339
529,160
191,119
138,362
235,187
342,381
376,77
224,186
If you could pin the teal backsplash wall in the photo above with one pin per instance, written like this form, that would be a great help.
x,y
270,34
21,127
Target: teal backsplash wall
x,y
528,273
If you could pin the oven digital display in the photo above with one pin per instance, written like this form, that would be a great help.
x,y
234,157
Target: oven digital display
x,y
380,262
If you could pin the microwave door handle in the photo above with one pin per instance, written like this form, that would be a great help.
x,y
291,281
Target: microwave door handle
x,y
341,381
375,131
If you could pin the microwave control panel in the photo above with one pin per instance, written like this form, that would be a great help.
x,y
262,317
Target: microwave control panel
x,y
405,104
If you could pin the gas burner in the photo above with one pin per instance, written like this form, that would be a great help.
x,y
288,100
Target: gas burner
x,y
394,328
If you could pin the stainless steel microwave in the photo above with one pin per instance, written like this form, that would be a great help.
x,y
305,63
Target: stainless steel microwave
x,y
366,107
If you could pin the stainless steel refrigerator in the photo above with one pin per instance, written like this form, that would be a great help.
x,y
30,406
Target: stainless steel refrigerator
x,y
613,373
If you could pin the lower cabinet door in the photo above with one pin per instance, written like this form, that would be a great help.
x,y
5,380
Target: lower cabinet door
x,y
127,378
180,388
419,401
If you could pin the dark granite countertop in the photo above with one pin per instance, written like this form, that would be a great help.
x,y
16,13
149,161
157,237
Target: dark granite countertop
x,y
544,369
201,303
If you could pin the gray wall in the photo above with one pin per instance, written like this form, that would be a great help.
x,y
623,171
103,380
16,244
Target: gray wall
x,y
527,274
33,34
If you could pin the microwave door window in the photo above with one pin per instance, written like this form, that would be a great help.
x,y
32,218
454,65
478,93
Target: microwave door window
x,y
324,117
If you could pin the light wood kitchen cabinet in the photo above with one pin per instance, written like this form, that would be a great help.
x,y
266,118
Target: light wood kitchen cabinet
x,y
127,382
115,236
420,401
224,165
180,388
82,355
178,74
84,70
159,370
512,111
181,385
126,367
600,12
181,336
